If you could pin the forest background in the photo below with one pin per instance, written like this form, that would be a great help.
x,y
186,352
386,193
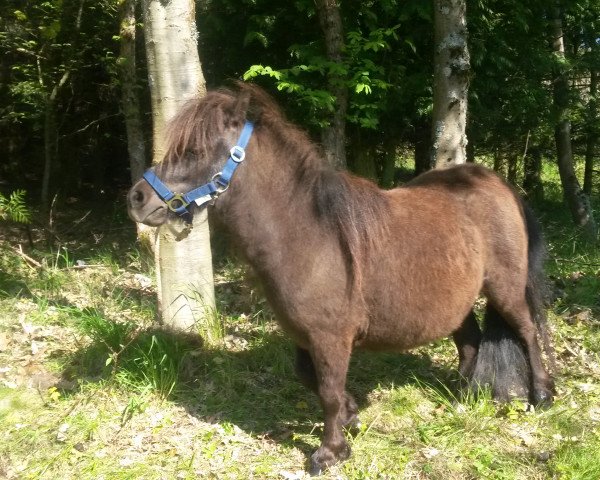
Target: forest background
x,y
64,171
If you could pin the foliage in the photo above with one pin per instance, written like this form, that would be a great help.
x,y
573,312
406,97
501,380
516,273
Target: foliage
x,y
386,65
58,89
14,207
366,77
511,94
378,49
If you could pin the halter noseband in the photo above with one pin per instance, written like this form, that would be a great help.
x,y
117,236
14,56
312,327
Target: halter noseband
x,y
178,202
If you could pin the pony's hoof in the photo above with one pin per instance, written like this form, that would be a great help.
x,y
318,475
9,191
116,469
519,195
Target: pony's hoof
x,y
543,398
324,458
315,469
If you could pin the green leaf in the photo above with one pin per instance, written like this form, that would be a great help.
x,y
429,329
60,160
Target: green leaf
x,y
20,16
14,207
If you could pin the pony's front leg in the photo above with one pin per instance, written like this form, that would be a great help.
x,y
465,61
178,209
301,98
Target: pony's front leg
x,y
305,369
331,359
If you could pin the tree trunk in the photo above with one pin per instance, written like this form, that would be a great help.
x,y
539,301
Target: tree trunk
x,y
334,136
183,257
450,83
576,199
388,163
499,165
130,102
422,140
532,170
512,169
50,125
364,162
592,134
50,142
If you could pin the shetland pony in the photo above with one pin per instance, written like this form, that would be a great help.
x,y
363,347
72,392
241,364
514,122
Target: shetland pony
x,y
347,265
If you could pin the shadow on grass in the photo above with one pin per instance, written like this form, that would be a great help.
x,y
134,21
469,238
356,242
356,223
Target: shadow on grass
x,y
254,388
11,285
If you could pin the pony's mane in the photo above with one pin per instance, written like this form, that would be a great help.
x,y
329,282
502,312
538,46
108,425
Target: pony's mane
x,y
350,205
201,122
356,208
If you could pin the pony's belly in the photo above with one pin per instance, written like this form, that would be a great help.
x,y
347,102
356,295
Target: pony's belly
x,y
403,332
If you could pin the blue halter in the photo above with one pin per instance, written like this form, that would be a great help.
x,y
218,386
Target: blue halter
x,y
178,202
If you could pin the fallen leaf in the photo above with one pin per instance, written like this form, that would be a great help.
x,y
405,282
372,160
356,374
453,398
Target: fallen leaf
x,y
142,280
61,434
28,328
430,452
586,387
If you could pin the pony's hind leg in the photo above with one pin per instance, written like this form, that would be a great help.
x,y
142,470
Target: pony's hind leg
x,y
518,316
305,369
330,359
467,339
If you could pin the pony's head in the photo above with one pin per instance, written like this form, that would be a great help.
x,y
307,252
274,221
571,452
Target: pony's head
x,y
198,149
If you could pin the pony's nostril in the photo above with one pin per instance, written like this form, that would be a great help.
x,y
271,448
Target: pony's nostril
x,y
136,197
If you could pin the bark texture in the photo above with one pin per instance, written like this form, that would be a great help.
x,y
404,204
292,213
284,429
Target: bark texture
x,y
51,141
592,135
574,196
183,258
451,83
334,136
130,102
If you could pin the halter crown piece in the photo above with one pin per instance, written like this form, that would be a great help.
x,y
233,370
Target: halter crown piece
x,y
178,202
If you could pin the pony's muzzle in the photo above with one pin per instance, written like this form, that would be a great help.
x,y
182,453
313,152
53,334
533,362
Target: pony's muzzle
x,y
135,199
144,206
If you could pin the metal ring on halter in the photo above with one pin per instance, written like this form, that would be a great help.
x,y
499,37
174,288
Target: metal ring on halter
x,y
177,203
220,187
237,154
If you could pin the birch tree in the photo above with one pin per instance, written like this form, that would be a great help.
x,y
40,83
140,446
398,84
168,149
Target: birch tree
x,y
575,197
183,257
450,83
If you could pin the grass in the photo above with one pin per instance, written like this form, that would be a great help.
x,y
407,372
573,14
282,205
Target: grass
x,y
91,388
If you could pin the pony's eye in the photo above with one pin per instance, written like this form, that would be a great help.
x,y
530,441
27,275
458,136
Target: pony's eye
x,y
190,155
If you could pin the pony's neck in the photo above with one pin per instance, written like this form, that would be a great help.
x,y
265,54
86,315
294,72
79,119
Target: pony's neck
x,y
270,210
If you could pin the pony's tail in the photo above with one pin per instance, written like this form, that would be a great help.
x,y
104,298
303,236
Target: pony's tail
x,y
502,362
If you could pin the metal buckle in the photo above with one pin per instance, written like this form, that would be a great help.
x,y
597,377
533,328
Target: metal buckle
x,y
237,154
171,203
220,186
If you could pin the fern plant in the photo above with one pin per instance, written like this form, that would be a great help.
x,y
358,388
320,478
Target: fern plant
x,y
14,207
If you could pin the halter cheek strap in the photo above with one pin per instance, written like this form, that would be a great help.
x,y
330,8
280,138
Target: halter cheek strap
x,y
178,202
